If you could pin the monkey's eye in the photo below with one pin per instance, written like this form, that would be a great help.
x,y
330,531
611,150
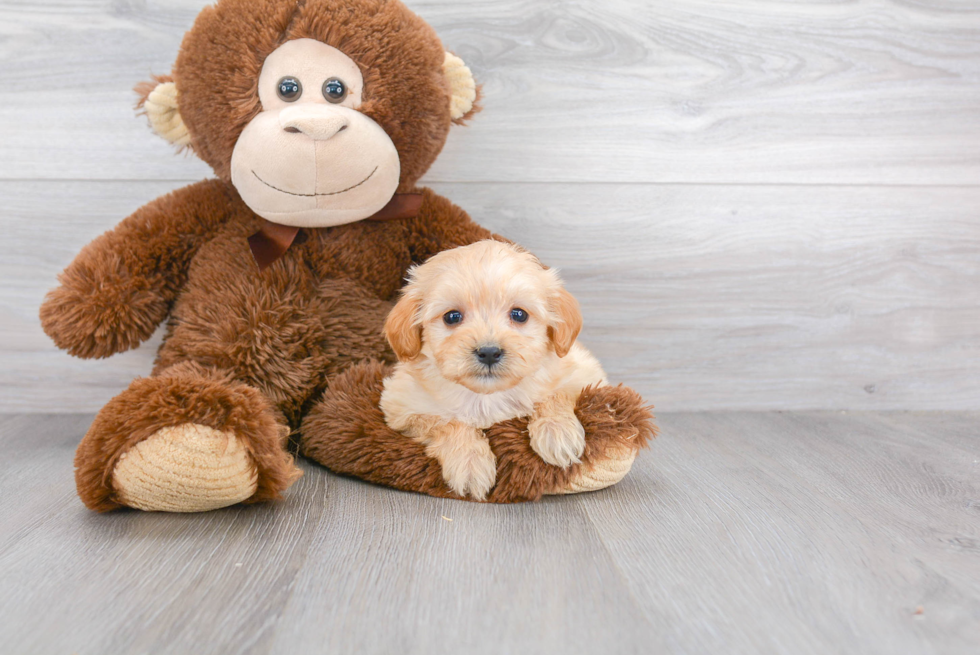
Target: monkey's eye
x,y
518,315
289,89
334,90
452,317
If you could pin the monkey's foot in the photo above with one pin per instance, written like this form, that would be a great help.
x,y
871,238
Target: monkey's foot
x,y
190,439
185,468
346,432
604,473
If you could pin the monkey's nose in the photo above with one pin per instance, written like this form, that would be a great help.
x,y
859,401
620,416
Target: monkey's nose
x,y
315,121
489,355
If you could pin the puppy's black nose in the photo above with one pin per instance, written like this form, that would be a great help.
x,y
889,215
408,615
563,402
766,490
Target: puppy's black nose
x,y
489,355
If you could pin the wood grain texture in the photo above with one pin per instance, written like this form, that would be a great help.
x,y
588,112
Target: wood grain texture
x,y
702,297
736,532
829,530
756,91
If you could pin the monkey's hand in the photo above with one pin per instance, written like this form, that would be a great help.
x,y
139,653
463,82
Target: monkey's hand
x,y
100,308
122,285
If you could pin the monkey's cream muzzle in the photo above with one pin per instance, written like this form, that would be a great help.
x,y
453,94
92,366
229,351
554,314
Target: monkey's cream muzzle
x,y
326,166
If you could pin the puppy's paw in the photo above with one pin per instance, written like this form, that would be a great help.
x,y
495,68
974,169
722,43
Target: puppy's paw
x,y
470,468
559,440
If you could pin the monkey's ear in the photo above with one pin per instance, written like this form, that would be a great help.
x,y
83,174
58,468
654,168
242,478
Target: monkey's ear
x,y
402,329
158,100
465,93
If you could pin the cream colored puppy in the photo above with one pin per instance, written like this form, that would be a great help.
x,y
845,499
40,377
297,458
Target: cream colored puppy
x,y
484,334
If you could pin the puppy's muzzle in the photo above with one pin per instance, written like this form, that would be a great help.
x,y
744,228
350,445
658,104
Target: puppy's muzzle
x,y
489,356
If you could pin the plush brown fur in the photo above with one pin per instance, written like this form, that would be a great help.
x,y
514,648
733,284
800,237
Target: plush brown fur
x,y
346,432
120,286
185,393
251,352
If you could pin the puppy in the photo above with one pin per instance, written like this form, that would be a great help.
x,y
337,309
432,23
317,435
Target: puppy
x,y
484,333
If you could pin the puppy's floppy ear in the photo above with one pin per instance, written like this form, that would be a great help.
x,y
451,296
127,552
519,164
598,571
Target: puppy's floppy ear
x,y
402,329
567,324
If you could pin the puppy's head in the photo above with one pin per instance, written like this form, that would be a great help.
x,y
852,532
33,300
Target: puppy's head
x,y
486,314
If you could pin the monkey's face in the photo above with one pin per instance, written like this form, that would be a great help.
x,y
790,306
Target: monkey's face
x,y
316,111
310,158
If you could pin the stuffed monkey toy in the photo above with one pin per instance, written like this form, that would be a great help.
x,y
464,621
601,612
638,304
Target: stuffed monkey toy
x,y
274,278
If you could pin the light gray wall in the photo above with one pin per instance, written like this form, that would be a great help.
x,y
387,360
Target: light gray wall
x,y
760,204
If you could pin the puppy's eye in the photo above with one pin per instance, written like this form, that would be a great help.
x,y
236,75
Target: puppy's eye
x,y
452,317
518,315
334,90
289,88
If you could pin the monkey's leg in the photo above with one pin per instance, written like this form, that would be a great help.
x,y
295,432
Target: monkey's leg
x,y
346,431
188,439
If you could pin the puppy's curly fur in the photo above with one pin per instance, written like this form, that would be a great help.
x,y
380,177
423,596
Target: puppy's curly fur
x,y
484,333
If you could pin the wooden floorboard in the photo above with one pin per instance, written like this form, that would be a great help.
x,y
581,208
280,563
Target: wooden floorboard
x,y
816,532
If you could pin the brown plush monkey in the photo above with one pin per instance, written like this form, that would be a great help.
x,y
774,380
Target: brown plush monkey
x,y
318,117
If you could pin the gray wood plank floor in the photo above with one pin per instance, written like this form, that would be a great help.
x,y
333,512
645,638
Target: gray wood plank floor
x,y
735,533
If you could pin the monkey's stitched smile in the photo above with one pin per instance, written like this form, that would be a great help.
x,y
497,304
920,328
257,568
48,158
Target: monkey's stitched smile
x,y
311,195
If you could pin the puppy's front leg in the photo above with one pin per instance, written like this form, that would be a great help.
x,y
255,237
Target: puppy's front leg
x,y
557,436
468,464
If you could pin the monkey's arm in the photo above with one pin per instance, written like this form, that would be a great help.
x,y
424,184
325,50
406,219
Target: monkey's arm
x,y
121,285
441,225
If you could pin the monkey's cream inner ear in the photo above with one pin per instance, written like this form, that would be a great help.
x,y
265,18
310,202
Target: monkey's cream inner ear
x,y
162,109
462,85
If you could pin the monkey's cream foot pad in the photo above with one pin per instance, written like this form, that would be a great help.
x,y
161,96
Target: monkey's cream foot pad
x,y
604,473
346,432
185,468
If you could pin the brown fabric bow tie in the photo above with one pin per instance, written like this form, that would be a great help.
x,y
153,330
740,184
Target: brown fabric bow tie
x,y
273,240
